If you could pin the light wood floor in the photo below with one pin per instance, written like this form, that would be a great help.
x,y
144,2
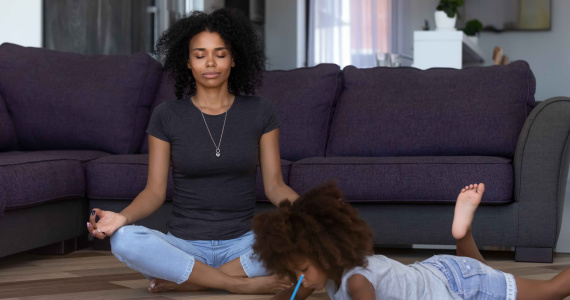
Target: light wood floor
x,y
96,275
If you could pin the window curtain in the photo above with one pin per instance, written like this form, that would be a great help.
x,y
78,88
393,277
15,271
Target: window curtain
x,y
349,32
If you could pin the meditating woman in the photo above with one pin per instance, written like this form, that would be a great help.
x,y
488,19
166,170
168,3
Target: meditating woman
x,y
215,136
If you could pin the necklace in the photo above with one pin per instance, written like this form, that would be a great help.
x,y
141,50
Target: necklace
x,y
224,126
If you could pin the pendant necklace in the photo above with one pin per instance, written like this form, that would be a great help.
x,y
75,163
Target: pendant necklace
x,y
224,126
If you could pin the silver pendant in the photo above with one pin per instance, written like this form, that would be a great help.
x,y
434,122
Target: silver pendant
x,y
218,153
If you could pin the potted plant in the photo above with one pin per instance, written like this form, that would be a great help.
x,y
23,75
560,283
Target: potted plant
x,y
446,14
472,29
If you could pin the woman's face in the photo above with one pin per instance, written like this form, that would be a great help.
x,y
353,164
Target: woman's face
x,y
210,61
314,277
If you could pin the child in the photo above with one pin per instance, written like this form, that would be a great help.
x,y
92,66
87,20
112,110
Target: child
x,y
321,237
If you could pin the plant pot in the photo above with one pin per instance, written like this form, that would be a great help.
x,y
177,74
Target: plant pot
x,y
443,22
473,38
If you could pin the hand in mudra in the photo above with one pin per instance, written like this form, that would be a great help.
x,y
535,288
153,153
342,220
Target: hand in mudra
x,y
108,223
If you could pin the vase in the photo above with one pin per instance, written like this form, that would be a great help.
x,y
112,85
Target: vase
x,y
443,22
473,38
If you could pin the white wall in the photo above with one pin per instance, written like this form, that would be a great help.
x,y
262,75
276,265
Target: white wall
x,y
21,22
285,34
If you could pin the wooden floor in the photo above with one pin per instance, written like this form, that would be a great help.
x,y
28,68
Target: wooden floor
x,y
95,275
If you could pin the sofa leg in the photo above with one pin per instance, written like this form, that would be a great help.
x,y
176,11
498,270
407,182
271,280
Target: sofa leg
x,y
63,247
528,254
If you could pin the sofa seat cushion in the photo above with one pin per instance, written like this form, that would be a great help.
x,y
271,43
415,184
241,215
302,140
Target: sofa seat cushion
x,y
62,100
35,177
437,179
304,100
120,177
475,111
260,191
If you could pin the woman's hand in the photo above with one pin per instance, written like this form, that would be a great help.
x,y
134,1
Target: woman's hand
x,y
108,223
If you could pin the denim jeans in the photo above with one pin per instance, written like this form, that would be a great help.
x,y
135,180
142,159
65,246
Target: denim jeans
x,y
164,256
471,279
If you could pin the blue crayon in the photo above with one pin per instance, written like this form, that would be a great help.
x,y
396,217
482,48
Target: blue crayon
x,y
297,287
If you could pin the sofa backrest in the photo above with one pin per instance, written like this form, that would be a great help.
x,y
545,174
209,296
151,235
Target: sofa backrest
x,y
70,101
409,112
8,138
165,92
304,100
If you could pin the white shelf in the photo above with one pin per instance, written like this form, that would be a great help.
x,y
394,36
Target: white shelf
x,y
445,49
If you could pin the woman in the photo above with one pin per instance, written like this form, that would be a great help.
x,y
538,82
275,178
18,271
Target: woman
x,y
214,137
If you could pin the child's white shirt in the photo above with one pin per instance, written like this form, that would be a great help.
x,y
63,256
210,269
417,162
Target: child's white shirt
x,y
394,280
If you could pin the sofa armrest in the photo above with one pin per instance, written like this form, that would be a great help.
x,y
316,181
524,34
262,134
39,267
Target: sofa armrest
x,y
541,169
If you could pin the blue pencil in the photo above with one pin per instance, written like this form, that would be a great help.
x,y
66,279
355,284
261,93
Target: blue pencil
x,y
297,287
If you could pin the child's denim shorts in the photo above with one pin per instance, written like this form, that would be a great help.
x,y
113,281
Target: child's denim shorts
x,y
471,279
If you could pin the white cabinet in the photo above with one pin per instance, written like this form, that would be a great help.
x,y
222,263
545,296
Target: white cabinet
x,y
445,49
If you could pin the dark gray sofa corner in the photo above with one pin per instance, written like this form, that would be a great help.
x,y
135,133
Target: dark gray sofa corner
x,y
401,142
541,170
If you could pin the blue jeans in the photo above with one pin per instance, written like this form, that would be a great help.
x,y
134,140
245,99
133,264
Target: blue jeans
x,y
164,256
471,279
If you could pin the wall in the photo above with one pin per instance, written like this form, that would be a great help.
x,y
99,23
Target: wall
x,y
285,34
21,22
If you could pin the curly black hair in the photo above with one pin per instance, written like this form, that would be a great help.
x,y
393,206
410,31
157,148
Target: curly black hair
x,y
240,38
320,226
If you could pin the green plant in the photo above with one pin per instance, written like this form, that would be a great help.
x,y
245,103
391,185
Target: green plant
x,y
472,27
450,7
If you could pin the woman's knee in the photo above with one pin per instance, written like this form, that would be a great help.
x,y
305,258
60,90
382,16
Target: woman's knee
x,y
125,238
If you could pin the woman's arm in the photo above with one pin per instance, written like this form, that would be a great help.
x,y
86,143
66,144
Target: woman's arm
x,y
275,188
154,194
360,288
147,201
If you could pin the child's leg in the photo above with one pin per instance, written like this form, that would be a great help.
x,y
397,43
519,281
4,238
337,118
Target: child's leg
x,y
555,288
465,207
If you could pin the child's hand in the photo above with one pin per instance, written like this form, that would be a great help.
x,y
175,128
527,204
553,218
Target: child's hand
x,y
302,293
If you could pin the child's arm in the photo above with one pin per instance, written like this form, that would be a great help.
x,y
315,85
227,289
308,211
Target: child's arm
x,y
360,288
302,293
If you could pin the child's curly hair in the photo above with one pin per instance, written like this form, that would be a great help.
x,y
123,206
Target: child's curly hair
x,y
240,38
320,226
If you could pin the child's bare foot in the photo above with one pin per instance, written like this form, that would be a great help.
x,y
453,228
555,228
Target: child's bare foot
x,y
465,207
159,285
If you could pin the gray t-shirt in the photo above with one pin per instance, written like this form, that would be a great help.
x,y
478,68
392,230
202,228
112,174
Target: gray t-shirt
x,y
214,197
393,280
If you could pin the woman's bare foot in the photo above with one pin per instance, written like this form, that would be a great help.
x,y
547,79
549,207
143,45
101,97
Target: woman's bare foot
x,y
263,285
465,207
159,285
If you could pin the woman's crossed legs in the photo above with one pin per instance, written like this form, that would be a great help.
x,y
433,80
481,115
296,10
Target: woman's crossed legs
x,y
175,264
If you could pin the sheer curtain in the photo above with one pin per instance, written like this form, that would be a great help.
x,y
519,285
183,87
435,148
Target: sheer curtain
x,y
349,32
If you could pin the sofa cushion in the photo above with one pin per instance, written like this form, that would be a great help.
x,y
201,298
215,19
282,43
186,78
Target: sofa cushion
x,y
407,179
406,111
32,178
259,190
120,177
70,101
8,137
165,92
304,100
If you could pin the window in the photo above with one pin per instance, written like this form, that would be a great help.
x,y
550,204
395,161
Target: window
x,y
349,32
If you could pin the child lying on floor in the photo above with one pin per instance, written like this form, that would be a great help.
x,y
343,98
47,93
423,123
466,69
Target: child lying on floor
x,y
321,237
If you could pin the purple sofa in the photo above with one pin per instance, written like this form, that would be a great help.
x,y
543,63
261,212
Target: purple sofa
x,y
401,143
